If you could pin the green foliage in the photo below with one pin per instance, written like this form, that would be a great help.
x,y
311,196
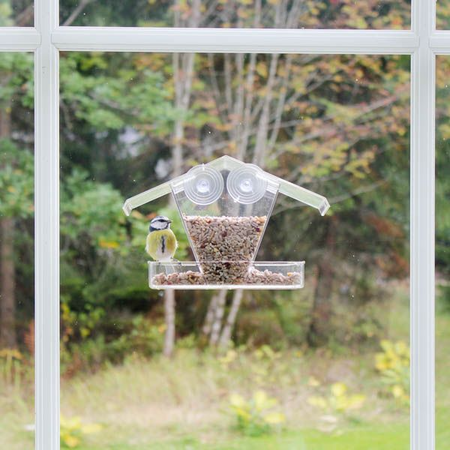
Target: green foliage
x,y
91,215
257,327
338,400
145,338
112,101
257,415
442,179
17,80
135,335
393,365
16,180
73,431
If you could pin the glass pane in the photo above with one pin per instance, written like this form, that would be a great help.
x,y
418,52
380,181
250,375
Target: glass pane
x,y
323,366
16,13
442,252
370,14
443,14
16,252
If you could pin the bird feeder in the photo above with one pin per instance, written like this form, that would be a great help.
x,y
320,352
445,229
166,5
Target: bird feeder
x,y
225,207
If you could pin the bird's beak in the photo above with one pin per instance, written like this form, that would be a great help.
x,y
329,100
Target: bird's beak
x,y
169,221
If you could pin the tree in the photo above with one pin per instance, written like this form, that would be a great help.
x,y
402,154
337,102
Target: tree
x,y
442,179
16,180
16,203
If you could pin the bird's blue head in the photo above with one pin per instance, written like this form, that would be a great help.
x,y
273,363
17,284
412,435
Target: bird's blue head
x,y
159,223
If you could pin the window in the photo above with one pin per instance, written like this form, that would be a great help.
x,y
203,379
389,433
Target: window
x,y
16,13
16,245
443,15
442,244
343,122
388,38
374,14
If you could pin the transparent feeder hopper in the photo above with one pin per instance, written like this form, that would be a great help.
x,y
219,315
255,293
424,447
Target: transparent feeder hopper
x,y
225,207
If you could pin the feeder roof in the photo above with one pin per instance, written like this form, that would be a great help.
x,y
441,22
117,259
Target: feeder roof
x,y
228,163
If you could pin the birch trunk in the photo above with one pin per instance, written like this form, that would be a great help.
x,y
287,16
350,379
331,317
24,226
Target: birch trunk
x,y
225,337
169,311
219,313
209,318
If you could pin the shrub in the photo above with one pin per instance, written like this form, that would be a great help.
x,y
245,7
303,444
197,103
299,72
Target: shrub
x,y
393,366
73,431
338,400
256,416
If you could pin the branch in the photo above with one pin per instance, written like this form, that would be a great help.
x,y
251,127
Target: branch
x,y
76,12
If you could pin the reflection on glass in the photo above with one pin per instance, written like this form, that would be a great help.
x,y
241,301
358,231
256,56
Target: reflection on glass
x,y
16,251
442,251
16,13
369,14
311,367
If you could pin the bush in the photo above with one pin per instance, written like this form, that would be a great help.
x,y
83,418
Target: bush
x,y
256,416
393,365
337,400
73,431
139,336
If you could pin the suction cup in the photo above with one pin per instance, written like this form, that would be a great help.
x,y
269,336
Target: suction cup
x,y
204,185
247,184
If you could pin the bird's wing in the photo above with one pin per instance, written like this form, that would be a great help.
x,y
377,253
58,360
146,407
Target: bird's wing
x,y
172,240
151,246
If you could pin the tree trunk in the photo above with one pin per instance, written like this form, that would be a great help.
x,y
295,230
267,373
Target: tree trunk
x,y
169,314
209,318
321,312
218,316
8,337
225,337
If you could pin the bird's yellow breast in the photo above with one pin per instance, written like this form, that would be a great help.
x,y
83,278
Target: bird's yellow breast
x,y
161,245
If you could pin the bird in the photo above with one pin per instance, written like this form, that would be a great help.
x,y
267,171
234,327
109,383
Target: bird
x,y
161,242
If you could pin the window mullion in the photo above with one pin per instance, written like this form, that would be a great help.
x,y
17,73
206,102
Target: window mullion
x,y
46,229
422,283
19,39
220,40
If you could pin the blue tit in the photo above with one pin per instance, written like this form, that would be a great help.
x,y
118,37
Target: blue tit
x,y
161,241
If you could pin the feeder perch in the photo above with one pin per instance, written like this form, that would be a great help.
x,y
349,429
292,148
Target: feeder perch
x,y
225,207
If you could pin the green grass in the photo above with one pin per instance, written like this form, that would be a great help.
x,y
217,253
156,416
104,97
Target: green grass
x,y
183,403
360,438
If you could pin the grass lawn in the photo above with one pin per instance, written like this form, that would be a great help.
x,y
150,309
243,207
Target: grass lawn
x,y
184,403
360,438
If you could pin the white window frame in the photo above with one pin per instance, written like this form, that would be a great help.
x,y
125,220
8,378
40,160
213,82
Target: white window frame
x,y
423,42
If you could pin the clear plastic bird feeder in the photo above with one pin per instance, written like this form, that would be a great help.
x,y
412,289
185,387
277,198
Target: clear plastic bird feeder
x,y
225,207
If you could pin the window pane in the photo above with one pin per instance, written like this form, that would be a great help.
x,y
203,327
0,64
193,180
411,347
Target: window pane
x,y
334,355
442,252
16,251
16,13
371,14
443,14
